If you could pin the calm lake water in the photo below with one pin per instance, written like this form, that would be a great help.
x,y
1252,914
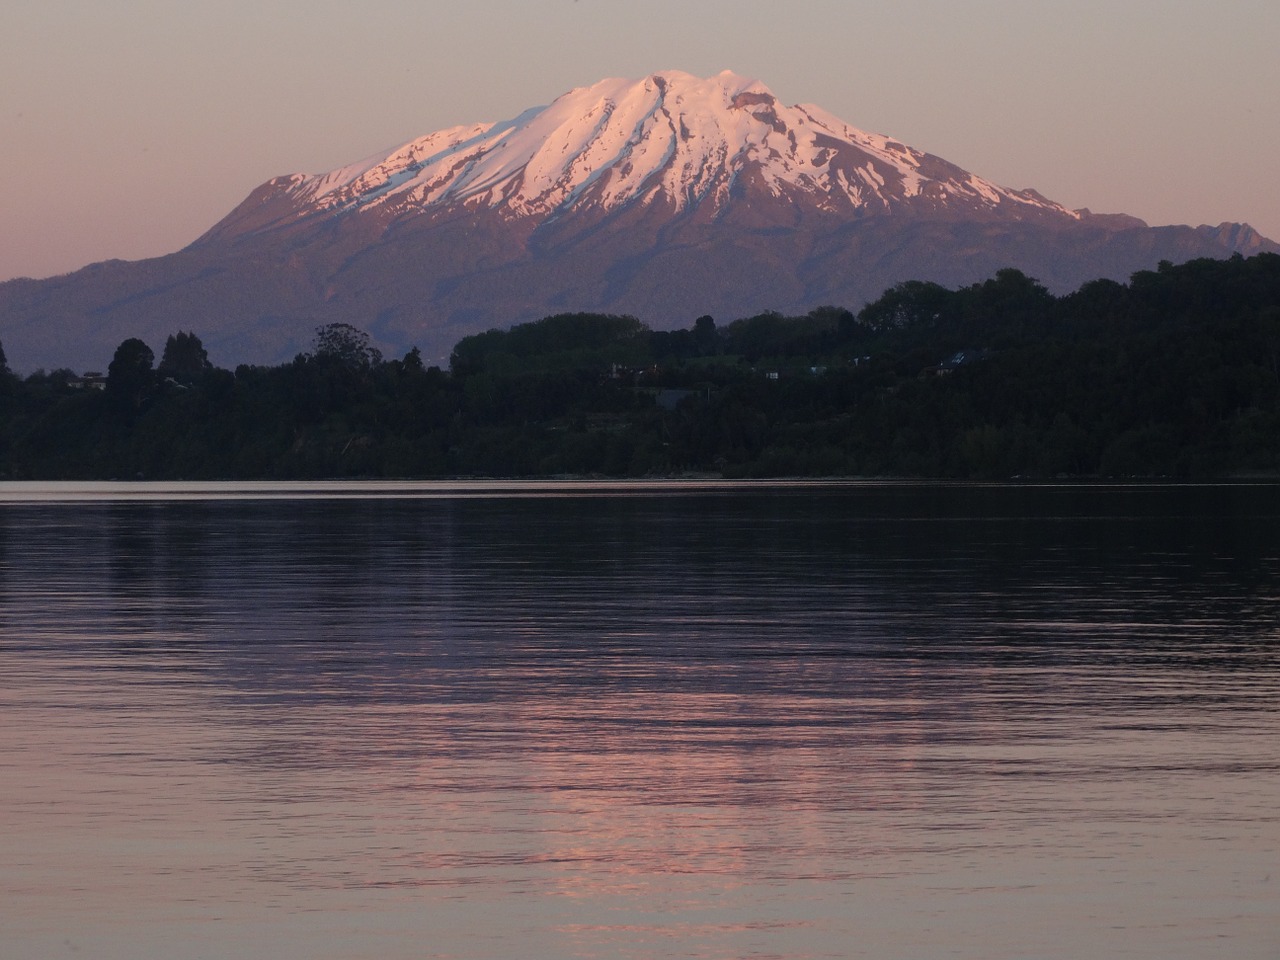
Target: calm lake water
x,y
639,721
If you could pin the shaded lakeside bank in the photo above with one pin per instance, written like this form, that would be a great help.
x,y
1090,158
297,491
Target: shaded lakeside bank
x,y
1175,375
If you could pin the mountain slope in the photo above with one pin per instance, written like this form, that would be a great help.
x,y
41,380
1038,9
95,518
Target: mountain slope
x,y
673,140
668,197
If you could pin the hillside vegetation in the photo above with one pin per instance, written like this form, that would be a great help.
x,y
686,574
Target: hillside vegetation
x,y
1176,373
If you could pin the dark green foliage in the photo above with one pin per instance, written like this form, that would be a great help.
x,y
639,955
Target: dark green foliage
x,y
344,346
1176,373
564,341
913,305
184,359
130,377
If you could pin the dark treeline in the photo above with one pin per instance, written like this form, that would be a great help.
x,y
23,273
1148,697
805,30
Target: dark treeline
x,y
1176,373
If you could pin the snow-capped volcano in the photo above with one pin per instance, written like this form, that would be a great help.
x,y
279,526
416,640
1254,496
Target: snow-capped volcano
x,y
672,139
668,198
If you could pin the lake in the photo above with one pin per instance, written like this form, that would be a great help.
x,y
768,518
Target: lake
x,y
657,720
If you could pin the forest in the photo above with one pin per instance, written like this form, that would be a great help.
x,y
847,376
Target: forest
x,y
1174,374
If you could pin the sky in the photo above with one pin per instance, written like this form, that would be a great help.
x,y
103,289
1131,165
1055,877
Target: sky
x,y
128,128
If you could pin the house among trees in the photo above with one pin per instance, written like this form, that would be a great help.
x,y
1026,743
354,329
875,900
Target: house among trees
x,y
956,360
92,380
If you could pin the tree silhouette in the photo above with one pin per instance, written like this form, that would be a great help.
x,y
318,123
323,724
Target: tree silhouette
x,y
345,346
184,358
130,376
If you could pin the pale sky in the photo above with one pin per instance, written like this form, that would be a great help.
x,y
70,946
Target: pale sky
x,y
129,127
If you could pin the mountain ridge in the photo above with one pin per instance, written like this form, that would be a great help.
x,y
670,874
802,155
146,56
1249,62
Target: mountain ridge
x,y
671,137
667,198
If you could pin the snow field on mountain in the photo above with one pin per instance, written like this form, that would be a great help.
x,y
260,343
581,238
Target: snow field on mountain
x,y
671,135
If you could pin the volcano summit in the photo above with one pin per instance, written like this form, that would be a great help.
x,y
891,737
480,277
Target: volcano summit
x,y
667,198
